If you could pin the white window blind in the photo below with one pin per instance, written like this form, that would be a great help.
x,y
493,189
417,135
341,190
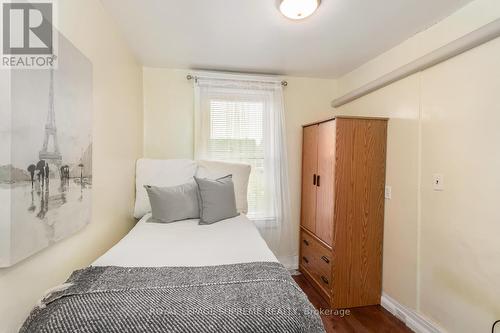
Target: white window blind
x,y
235,123
237,134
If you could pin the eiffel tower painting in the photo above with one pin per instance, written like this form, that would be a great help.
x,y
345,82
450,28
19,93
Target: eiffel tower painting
x,y
46,157
51,156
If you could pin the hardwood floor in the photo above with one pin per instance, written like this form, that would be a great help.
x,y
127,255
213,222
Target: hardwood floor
x,y
360,320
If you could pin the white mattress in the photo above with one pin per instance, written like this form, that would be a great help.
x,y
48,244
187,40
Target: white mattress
x,y
185,243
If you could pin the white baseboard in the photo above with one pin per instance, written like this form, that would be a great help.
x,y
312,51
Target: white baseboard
x,y
416,322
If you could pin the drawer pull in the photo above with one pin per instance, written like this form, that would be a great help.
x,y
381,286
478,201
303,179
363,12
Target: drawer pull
x,y
325,280
306,242
325,259
305,259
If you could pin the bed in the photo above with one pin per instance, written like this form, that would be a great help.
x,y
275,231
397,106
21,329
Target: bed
x,y
185,243
180,277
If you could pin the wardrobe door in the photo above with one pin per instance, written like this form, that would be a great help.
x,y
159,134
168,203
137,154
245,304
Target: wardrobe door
x,y
309,172
326,181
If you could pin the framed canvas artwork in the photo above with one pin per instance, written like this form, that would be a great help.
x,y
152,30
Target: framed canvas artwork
x,y
45,154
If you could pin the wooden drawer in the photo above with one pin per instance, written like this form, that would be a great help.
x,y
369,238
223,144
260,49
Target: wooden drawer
x,y
316,258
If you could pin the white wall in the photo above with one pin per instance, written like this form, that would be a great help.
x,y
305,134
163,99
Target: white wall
x,y
441,249
169,119
117,143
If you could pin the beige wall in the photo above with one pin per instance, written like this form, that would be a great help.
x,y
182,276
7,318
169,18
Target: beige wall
x,y
168,114
441,249
169,119
399,102
471,17
117,137
460,246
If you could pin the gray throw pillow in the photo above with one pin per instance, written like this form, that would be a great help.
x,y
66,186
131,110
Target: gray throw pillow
x,y
216,199
169,204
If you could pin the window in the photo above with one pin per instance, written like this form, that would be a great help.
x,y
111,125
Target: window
x,y
236,134
240,118
236,123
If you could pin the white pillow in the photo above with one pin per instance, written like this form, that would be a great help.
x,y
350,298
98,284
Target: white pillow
x,y
161,173
240,172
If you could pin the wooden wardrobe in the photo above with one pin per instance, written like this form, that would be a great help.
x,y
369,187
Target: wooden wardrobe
x,y
342,215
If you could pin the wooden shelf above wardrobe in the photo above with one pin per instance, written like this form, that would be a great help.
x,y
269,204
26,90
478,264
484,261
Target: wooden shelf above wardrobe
x,y
342,213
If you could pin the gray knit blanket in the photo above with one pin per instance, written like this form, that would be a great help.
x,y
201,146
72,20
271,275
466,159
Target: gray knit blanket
x,y
251,297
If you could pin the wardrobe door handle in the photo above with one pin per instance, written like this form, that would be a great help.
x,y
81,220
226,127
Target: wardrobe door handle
x,y
325,259
306,242
325,280
314,179
305,259
317,180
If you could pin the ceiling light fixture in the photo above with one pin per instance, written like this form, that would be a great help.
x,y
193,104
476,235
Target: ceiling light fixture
x,y
298,9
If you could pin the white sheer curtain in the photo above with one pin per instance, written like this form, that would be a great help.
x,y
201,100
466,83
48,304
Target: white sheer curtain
x,y
241,119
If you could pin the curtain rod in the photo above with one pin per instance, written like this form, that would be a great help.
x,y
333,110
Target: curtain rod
x,y
469,41
195,77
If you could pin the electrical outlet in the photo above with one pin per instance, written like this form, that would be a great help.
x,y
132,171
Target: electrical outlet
x,y
388,192
438,182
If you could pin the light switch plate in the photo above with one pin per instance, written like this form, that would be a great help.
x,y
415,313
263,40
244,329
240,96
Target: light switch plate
x,y
388,192
438,182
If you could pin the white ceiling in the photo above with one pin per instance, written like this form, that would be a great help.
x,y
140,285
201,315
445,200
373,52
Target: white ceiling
x,y
253,36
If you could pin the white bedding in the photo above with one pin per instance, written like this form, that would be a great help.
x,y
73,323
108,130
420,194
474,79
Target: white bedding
x,y
185,243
